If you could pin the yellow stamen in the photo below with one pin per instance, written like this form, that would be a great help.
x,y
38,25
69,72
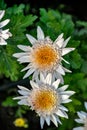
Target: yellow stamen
x,y
45,57
44,100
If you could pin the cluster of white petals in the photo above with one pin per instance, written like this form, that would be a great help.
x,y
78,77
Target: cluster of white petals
x,y
82,119
4,34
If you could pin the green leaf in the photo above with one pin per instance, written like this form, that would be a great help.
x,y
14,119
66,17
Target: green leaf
x,y
9,102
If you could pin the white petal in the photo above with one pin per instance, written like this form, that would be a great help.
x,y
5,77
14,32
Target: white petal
x,y
18,55
59,76
5,22
66,101
35,76
78,128
20,97
67,50
81,115
25,48
67,93
49,79
5,36
54,120
5,31
2,41
79,121
47,120
63,108
23,102
2,12
23,88
66,70
23,92
65,60
31,39
65,42
60,70
40,33
56,83
42,78
26,68
61,114
59,40
63,88
33,84
42,122
29,72
24,59
85,105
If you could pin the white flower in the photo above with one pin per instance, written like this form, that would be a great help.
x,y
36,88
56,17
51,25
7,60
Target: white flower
x,y
44,56
4,34
47,99
82,119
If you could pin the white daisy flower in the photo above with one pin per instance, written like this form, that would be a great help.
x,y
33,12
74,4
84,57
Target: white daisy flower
x,y
46,99
4,34
82,119
44,56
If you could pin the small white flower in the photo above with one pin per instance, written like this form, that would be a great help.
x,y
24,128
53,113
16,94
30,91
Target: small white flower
x,y
82,119
4,34
44,56
47,99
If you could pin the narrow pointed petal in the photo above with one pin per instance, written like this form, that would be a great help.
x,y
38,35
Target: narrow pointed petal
x,y
79,120
24,59
26,68
63,88
66,70
63,108
65,60
78,128
2,41
65,42
20,97
23,102
29,72
23,88
81,115
23,92
24,48
67,50
2,12
31,39
18,55
60,70
49,78
56,83
60,42
40,33
61,114
85,105
42,78
53,119
48,120
42,122
66,101
33,84
5,31
5,22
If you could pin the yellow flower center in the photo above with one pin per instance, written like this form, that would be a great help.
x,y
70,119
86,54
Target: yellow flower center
x,y
44,100
19,122
45,57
